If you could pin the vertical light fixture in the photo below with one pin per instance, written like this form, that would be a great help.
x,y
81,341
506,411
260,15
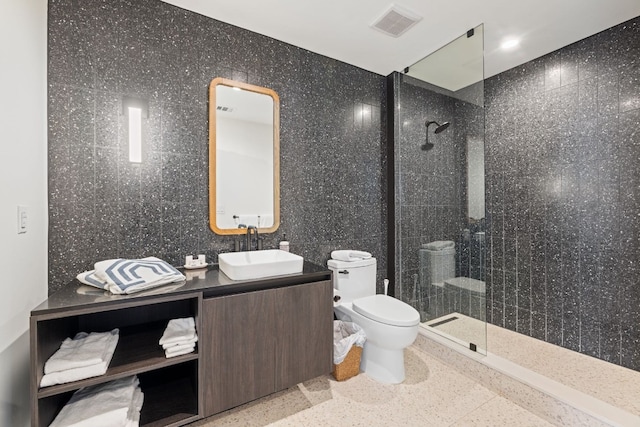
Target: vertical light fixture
x,y
135,109
135,135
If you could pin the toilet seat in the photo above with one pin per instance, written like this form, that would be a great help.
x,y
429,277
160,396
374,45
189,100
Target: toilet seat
x,y
387,310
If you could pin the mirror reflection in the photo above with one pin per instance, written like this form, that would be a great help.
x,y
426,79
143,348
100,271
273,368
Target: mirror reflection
x,y
243,157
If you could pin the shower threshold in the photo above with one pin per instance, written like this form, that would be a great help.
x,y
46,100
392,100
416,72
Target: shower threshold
x,y
562,386
461,329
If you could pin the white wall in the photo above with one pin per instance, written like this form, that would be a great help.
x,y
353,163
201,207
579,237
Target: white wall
x,y
244,166
23,181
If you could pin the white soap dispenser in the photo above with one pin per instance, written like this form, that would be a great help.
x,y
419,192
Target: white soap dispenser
x,y
284,244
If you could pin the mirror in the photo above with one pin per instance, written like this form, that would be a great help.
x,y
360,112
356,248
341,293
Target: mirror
x,y
244,157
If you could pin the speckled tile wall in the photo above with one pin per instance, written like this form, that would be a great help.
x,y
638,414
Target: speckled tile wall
x,y
101,206
563,187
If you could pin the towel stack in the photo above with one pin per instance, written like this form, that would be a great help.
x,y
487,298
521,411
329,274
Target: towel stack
x,y
115,403
126,276
84,356
179,337
349,255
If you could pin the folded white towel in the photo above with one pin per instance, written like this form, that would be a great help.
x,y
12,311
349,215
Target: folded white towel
x,y
179,330
179,348
179,353
102,405
83,350
350,255
180,343
133,416
127,276
76,374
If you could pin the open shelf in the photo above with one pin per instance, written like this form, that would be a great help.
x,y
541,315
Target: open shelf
x,y
170,396
170,385
138,351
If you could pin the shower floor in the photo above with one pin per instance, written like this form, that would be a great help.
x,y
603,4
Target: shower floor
x,y
605,381
461,329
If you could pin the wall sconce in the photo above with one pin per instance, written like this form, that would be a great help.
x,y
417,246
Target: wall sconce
x,y
135,109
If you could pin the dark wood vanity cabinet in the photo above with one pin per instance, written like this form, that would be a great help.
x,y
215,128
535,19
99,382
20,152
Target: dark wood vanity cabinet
x,y
254,338
257,343
238,349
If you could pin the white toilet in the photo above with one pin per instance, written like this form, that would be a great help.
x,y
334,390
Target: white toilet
x,y
390,324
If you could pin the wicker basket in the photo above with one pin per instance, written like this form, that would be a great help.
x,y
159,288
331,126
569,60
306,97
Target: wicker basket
x,y
350,366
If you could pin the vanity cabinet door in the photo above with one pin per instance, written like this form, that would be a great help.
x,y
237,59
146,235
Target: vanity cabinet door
x,y
304,347
238,349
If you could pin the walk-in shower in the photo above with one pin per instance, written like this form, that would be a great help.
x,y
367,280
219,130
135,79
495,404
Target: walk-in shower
x,y
438,248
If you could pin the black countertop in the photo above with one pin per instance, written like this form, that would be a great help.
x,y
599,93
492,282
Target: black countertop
x,y
210,281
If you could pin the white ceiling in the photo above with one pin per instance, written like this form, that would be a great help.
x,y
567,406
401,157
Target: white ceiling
x,y
340,29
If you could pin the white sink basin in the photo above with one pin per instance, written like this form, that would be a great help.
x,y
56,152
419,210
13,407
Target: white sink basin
x,y
258,264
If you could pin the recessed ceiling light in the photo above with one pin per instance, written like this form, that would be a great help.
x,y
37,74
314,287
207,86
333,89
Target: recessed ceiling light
x,y
510,44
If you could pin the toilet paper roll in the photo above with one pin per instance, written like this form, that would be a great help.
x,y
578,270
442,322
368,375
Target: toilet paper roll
x,y
336,298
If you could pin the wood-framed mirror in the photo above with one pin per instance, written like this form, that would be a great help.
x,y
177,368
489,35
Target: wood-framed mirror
x,y
244,157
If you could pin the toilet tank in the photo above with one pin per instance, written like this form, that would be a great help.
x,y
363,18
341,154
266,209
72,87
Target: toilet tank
x,y
355,279
437,262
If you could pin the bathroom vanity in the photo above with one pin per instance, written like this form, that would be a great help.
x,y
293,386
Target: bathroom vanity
x,y
255,337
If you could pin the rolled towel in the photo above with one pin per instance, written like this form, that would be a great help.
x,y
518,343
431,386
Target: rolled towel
x,y
350,255
76,374
83,350
179,330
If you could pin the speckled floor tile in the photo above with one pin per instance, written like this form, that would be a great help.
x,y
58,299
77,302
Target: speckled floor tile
x,y
432,394
608,382
500,412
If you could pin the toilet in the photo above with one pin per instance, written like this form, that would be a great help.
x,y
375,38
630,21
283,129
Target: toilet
x,y
437,262
390,324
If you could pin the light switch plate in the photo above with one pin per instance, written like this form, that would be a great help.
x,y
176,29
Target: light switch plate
x,y
23,219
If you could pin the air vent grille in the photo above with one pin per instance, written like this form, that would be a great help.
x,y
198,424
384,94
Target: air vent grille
x,y
396,21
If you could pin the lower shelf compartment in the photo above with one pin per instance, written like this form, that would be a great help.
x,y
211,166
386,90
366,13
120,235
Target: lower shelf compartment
x,y
170,395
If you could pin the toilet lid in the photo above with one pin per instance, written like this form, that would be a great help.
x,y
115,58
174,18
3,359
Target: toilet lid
x,y
386,309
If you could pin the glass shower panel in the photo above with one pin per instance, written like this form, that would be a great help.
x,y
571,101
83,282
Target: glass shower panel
x,y
440,222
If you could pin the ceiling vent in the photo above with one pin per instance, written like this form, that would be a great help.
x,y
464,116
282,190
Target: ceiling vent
x,y
395,21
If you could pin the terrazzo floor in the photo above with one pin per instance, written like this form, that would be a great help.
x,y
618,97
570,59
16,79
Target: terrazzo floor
x,y
610,383
433,394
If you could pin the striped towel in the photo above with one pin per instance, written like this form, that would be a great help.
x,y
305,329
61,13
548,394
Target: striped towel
x,y
127,276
